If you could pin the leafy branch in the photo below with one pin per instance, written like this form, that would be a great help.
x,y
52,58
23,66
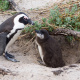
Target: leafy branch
x,y
57,19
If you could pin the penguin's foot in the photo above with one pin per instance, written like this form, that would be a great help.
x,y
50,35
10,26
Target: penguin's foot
x,y
11,59
9,55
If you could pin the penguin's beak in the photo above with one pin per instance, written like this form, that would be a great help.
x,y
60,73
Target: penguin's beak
x,y
37,31
33,23
30,22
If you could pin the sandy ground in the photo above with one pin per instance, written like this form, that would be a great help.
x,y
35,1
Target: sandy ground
x,y
29,68
34,4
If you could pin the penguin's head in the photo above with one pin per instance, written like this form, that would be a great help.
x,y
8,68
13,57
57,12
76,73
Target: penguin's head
x,y
42,34
22,18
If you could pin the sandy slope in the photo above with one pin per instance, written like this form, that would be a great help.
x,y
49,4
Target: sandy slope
x,y
29,68
31,4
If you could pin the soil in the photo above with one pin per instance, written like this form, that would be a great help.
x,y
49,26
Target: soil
x,y
29,68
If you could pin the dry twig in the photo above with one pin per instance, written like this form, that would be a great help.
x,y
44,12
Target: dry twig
x,y
64,31
6,72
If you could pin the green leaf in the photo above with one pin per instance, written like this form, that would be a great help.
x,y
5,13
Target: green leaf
x,y
75,6
74,9
58,21
4,5
44,19
68,20
77,24
69,38
66,11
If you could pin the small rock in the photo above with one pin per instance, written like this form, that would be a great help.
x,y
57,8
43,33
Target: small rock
x,y
73,65
57,72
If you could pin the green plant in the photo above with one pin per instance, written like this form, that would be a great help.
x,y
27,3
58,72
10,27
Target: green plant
x,y
69,38
4,5
67,19
74,9
31,29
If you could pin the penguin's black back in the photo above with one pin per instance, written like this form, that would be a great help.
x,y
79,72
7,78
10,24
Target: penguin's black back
x,y
7,25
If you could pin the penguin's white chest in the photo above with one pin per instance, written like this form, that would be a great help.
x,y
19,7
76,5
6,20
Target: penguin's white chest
x,y
13,39
40,51
17,26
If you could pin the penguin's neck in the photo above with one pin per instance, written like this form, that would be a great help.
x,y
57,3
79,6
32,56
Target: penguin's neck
x,y
17,25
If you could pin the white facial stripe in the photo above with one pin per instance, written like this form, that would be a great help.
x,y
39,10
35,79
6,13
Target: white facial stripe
x,y
16,19
41,36
17,24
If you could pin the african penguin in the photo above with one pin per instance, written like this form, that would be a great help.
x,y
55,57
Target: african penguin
x,y
49,50
10,30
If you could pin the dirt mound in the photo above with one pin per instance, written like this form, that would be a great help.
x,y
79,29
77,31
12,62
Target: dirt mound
x,y
70,52
29,68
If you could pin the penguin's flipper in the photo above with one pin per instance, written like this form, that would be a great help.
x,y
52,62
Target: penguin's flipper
x,y
3,36
10,59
